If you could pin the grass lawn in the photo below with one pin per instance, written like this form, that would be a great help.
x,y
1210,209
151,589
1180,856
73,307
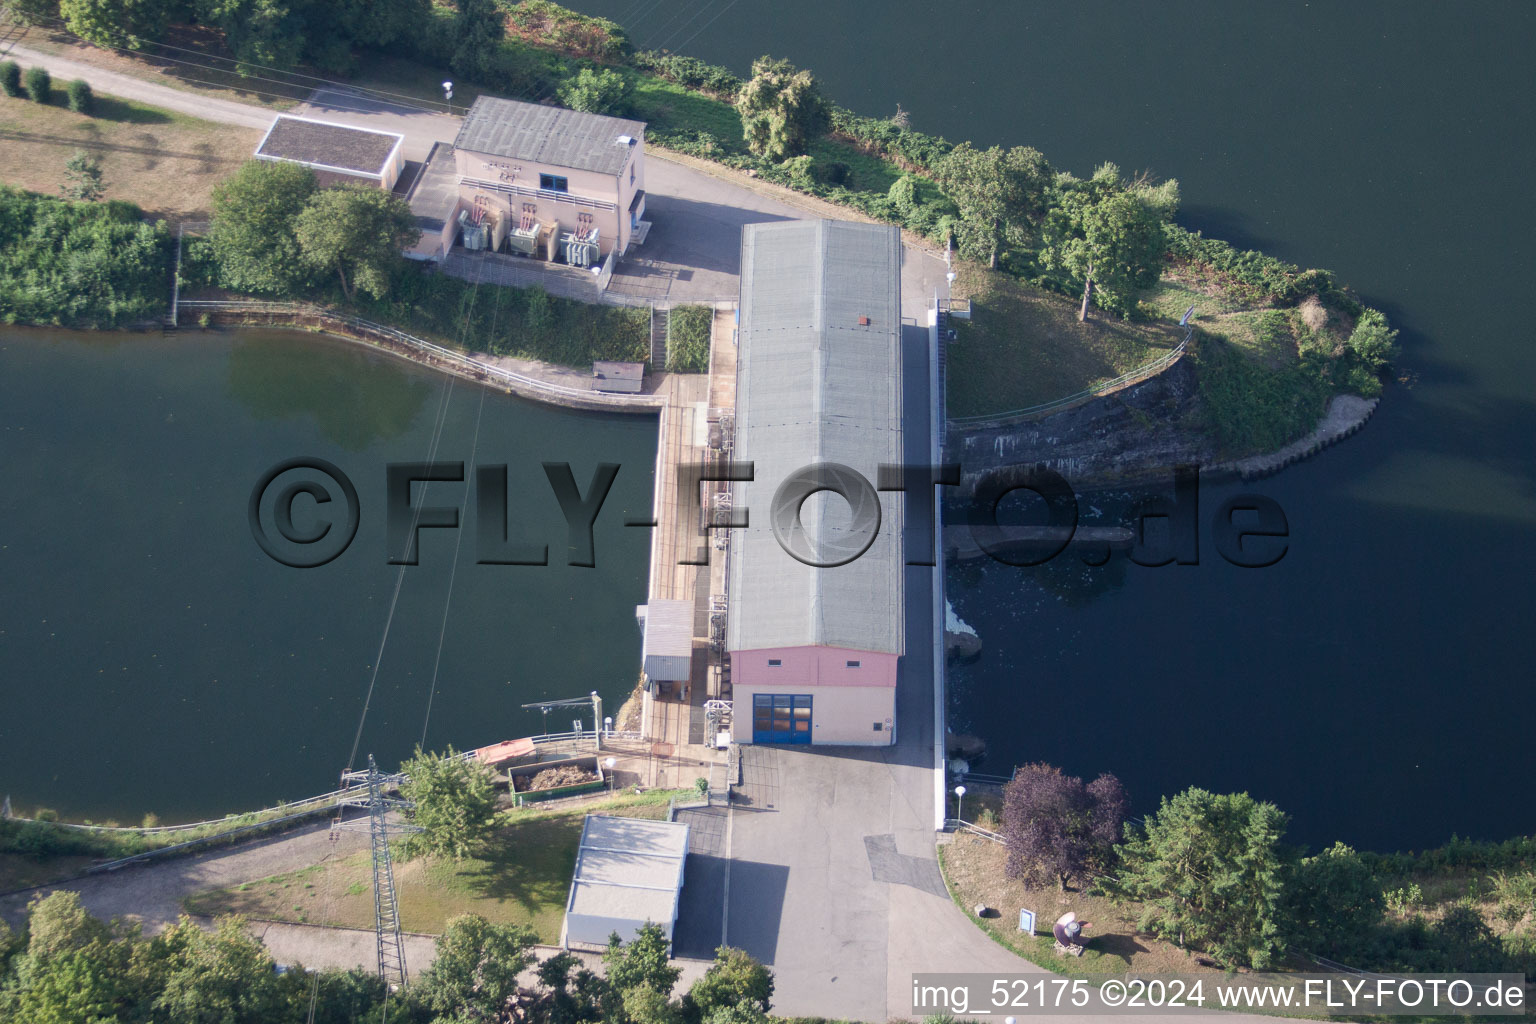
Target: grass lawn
x,y
523,878
167,163
1024,345
974,870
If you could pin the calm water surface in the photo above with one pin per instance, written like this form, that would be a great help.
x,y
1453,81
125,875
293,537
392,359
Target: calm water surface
x,y
1376,683
153,659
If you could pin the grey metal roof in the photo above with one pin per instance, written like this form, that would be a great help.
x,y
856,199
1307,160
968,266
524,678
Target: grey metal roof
x,y
547,135
627,869
324,143
814,384
667,651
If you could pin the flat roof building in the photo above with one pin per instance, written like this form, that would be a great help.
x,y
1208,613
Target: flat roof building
x,y
337,153
629,872
814,650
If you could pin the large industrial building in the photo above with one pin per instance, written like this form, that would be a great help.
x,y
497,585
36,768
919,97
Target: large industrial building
x,y
814,651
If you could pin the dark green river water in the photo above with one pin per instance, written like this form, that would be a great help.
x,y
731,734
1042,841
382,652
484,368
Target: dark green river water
x,y
1376,683
153,659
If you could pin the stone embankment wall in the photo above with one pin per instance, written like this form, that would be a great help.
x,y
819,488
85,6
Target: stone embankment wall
x,y
1134,435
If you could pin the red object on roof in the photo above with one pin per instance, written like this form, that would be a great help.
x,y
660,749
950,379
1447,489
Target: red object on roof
x,y
506,750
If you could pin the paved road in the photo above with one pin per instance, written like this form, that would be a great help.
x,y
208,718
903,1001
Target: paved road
x,y
833,876
112,83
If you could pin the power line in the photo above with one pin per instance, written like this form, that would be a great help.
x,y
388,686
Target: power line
x,y
389,620
684,44
401,99
442,631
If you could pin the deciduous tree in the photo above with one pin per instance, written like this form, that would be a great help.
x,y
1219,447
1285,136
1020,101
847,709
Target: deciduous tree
x,y
1208,871
454,802
31,12
1107,235
736,980
255,214
597,91
474,973
640,962
1330,899
1055,827
130,23
1000,193
781,109
478,29
358,233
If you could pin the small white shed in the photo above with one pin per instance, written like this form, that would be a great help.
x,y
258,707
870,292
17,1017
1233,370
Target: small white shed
x,y
629,871
667,653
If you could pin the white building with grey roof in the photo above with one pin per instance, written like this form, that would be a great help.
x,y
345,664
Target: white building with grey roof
x,y
629,872
814,647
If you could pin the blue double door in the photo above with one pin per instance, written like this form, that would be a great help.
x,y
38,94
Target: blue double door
x,y
781,718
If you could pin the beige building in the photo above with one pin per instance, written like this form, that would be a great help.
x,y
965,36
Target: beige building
x,y
547,182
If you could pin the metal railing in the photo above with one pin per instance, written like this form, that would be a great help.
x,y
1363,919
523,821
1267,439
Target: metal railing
x,y
282,810
540,193
1147,370
471,366
961,825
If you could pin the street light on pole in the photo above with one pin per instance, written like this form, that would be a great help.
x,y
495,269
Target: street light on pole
x,y
960,802
448,95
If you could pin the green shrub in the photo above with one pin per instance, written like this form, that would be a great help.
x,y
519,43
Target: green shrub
x,y
912,150
81,100
39,84
597,91
79,263
688,334
689,72
525,322
548,24
10,78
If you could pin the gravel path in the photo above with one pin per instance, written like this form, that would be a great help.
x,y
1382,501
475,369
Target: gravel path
x,y
209,108
151,894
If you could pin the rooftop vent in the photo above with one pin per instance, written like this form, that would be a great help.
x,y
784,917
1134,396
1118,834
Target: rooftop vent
x,y
863,321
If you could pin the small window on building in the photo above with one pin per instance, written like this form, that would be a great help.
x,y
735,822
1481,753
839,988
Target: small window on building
x,y
774,662
631,172
853,664
554,183
879,727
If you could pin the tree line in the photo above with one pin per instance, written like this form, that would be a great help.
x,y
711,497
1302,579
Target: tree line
x,y
1212,872
64,966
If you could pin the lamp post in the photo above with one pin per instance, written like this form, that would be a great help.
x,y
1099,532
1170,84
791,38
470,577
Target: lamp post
x,y
448,96
608,763
960,802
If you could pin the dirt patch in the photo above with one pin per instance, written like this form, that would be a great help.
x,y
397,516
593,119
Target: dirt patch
x,y
165,163
974,869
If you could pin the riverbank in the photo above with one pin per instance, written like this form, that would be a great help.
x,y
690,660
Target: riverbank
x,y
541,382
